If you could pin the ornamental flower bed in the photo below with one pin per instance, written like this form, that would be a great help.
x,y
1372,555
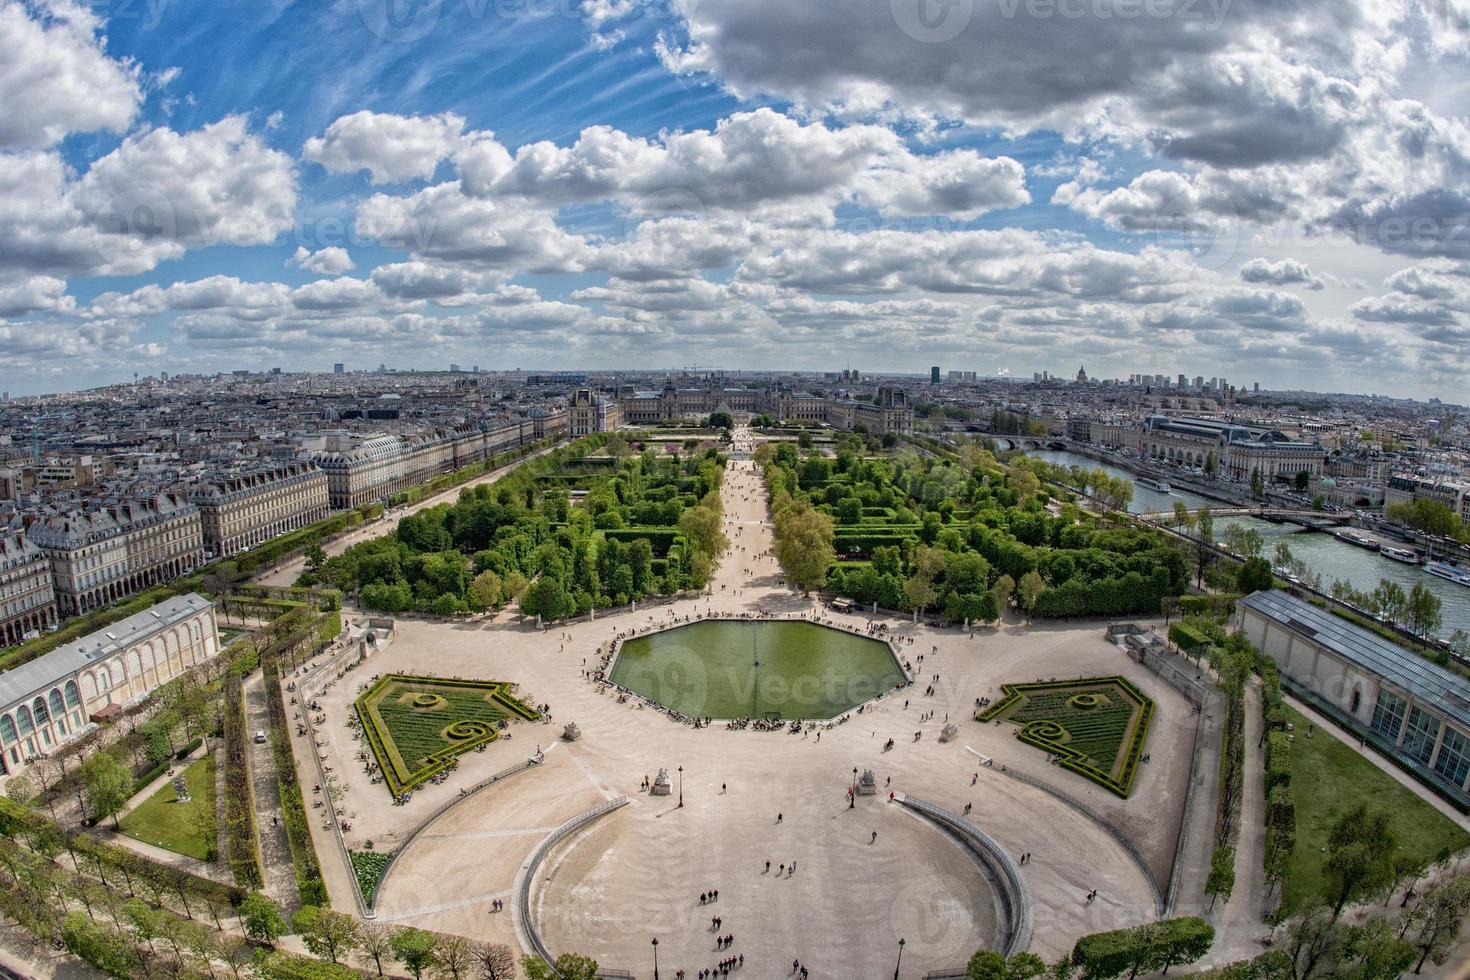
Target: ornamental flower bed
x,y
1096,726
416,725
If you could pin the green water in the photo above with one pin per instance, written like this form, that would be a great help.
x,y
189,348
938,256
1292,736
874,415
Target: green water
x,y
737,669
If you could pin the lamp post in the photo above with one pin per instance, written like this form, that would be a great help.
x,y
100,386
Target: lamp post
x,y
655,958
895,966
681,787
852,794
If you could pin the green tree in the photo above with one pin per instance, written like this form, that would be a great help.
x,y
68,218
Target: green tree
x,y
568,966
1360,852
1422,608
1003,588
1030,588
1221,880
1302,481
315,556
325,932
485,590
804,544
1204,544
1254,576
261,918
107,784
414,948
1440,918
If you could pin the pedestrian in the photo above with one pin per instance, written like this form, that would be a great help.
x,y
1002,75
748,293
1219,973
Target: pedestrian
x,y
778,818
717,894
702,898
781,870
874,838
974,778
722,787
768,868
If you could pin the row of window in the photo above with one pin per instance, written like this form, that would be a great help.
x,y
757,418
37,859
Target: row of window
x,y
1393,716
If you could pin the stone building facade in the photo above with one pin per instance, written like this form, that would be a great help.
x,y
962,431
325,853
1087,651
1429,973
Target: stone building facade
x,y
589,412
100,556
1238,450
56,697
241,510
887,411
27,599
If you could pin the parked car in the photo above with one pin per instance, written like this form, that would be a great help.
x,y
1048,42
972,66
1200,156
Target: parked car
x,y
261,738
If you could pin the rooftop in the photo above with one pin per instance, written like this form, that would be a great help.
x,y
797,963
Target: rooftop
x,y
45,670
1429,683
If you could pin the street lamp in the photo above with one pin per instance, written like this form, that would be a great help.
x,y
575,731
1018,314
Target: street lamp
x,y
852,794
681,786
895,966
655,958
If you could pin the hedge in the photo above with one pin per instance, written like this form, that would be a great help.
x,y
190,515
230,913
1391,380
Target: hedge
x,y
1143,948
242,848
661,539
1187,638
1278,760
293,807
1220,604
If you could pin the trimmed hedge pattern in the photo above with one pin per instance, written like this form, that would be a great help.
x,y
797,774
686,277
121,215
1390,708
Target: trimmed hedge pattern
x,y
413,744
242,850
1082,738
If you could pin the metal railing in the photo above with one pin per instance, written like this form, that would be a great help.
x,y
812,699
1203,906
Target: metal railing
x,y
1102,822
435,814
523,889
998,863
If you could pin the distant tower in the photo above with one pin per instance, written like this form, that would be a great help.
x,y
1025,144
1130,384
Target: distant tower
x,y
1081,375
934,375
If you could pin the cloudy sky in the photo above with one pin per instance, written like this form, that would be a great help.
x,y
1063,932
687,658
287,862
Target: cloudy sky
x,y
1266,190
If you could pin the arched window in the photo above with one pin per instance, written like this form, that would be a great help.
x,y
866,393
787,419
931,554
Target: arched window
x,y
38,708
24,717
58,707
135,666
103,682
89,685
7,729
149,658
73,699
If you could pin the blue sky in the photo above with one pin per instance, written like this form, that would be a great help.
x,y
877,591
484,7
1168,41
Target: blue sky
x,y
1224,188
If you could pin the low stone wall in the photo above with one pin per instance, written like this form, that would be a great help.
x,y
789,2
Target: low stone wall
x,y
1000,866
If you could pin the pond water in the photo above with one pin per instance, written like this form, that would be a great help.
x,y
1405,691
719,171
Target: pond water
x,y
754,669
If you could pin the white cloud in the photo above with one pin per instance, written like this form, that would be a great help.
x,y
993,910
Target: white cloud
x,y
391,148
1283,273
55,78
329,261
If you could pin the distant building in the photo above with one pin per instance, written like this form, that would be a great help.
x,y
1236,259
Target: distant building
x,y
27,598
1410,708
589,412
934,374
241,510
1238,450
1082,375
339,368
56,697
100,556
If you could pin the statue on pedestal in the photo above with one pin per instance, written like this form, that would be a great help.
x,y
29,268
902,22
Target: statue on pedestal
x,y
661,784
181,789
571,732
949,733
868,785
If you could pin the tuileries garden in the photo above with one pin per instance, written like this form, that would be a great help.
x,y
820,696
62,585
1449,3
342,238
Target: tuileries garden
x,y
729,701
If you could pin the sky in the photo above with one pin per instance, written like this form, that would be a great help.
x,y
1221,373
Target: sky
x,y
1262,190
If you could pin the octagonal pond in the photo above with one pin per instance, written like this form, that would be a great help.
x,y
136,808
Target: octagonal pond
x,y
731,668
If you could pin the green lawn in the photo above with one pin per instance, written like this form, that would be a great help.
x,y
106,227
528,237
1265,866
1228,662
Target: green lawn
x,y
164,821
1330,777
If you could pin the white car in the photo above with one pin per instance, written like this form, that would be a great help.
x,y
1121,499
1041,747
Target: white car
x,y
261,738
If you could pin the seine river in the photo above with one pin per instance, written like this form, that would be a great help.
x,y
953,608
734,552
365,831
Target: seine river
x,y
1323,553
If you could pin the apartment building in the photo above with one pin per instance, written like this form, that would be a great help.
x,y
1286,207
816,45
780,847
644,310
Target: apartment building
x,y
239,510
27,600
54,698
100,556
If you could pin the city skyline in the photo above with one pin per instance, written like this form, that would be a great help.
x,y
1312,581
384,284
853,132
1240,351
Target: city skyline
x,y
618,183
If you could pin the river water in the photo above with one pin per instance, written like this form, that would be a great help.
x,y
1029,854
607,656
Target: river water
x,y
1323,553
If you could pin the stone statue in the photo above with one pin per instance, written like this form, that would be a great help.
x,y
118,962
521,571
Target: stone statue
x,y
661,784
949,732
571,732
868,785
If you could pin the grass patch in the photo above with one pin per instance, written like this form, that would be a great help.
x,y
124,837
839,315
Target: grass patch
x,y
1097,725
417,725
1329,777
163,821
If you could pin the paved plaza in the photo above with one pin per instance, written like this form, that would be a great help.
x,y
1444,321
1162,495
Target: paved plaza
x,y
638,872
